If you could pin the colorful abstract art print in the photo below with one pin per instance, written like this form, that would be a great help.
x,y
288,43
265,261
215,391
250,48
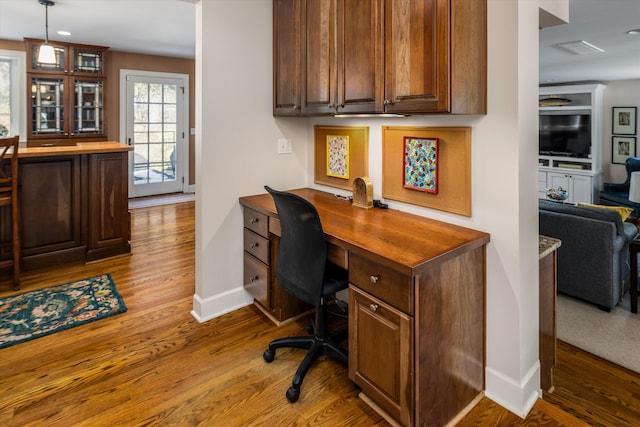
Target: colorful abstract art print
x,y
421,164
338,156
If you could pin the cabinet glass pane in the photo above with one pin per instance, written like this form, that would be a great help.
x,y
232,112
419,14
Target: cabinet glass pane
x,y
87,61
58,66
88,117
47,98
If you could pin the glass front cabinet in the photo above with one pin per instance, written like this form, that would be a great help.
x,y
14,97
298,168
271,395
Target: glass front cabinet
x,y
66,99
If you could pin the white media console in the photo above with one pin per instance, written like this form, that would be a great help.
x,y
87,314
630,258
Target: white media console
x,y
575,169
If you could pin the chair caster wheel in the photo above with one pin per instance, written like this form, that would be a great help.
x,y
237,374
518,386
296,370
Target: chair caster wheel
x,y
293,394
269,355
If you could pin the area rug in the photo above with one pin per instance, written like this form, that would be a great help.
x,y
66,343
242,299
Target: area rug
x,y
35,314
614,336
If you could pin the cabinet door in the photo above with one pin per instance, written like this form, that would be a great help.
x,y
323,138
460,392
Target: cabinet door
x,y
88,106
360,56
381,354
555,180
51,217
108,205
47,107
62,54
286,57
580,189
319,92
436,56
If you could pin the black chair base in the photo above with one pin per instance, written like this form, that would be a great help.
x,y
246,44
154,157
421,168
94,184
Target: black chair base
x,y
316,347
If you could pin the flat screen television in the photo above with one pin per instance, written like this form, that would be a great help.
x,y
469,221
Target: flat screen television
x,y
567,135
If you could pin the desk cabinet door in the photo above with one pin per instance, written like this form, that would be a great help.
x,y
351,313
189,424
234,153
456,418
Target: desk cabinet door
x,y
381,353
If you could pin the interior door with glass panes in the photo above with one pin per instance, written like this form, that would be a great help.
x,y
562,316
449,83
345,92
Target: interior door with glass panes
x,y
156,130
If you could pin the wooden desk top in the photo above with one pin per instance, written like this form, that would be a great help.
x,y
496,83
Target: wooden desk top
x,y
405,242
79,148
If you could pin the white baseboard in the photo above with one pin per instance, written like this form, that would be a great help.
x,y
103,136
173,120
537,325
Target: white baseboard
x,y
517,397
217,305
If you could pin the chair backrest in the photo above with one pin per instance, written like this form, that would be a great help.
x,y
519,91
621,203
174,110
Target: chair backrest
x,y
9,164
632,164
302,254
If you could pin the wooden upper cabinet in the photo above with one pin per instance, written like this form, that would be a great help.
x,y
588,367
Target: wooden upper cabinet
x,y
380,56
435,56
342,53
286,57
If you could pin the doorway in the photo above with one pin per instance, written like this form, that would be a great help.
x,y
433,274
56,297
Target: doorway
x,y
155,108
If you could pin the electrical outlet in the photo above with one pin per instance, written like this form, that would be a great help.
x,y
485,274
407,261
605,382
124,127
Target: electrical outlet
x,y
284,146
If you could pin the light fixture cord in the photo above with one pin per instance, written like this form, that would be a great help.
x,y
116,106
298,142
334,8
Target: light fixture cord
x,y
46,24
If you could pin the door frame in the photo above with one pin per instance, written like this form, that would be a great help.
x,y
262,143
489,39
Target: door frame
x,y
124,73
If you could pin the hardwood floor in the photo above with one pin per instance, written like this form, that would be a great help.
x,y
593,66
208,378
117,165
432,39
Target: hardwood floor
x,y
156,365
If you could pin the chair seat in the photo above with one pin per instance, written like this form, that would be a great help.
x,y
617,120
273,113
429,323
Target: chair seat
x,y
336,279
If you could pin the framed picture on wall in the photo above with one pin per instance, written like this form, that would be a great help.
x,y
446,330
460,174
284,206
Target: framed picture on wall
x,y
624,120
623,147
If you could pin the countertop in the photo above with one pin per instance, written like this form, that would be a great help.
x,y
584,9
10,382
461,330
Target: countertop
x,y
79,148
547,245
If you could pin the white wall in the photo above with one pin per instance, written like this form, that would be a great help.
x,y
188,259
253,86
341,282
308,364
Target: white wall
x,y
622,93
236,155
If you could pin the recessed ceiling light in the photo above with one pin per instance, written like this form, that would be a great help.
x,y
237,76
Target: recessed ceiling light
x,y
634,32
579,47
64,33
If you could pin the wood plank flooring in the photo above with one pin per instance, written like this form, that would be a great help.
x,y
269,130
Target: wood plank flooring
x,y
156,365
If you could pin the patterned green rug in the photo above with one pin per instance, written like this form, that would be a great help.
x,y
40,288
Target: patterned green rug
x,y
35,314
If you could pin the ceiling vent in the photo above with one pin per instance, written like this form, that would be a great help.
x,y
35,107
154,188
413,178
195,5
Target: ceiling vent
x,y
579,47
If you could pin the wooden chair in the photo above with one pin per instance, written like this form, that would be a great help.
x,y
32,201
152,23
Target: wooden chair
x,y
9,197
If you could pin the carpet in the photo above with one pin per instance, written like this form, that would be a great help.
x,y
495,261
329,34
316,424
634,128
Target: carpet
x,y
38,313
614,336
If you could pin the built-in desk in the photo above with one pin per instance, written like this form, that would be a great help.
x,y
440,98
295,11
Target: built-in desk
x,y
416,302
73,203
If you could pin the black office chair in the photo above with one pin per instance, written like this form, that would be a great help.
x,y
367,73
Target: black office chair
x,y
303,270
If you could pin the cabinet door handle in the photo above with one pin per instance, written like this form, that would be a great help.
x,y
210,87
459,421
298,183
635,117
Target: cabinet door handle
x,y
374,279
253,245
374,307
253,279
253,220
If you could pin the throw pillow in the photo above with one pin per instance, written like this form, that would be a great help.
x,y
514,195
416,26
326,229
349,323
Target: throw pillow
x,y
624,212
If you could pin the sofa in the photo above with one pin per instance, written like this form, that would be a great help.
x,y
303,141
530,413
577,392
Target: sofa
x,y
593,259
617,194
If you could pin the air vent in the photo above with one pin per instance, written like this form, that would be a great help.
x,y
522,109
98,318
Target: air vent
x,y
579,47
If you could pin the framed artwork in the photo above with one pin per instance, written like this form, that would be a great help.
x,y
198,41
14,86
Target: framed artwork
x,y
341,154
452,170
622,148
338,156
624,120
420,164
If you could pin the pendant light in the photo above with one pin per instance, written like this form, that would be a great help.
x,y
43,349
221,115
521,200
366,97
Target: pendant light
x,y
46,53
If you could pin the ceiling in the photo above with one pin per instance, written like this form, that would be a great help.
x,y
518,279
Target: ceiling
x,y
167,27
157,27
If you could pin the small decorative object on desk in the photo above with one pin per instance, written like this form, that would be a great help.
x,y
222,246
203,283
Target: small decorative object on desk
x,y
557,194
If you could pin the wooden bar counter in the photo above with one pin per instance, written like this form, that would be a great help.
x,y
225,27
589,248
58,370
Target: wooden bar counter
x,y
73,203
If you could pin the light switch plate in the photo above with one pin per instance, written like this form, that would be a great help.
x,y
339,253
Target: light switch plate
x,y
284,146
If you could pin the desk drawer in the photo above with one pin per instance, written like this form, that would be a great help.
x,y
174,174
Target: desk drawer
x,y
256,222
256,245
383,282
256,279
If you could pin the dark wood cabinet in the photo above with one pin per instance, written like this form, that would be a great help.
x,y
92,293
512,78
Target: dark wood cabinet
x,y
261,240
342,56
73,204
436,56
108,219
377,56
66,100
286,57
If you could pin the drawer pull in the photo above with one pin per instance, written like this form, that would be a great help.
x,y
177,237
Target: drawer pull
x,y
253,279
374,307
374,279
254,220
253,245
